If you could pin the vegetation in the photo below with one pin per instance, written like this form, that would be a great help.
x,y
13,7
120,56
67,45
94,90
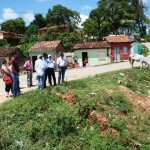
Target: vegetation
x,y
46,121
110,17
145,50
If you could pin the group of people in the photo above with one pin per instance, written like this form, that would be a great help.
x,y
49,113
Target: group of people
x,y
44,66
10,74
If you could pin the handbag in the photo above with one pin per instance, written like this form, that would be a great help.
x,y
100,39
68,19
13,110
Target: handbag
x,y
7,80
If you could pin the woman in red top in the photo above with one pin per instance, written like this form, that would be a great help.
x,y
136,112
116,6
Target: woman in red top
x,y
5,73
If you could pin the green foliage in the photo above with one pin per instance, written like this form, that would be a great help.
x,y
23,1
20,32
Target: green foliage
x,y
3,43
145,50
68,39
14,25
118,101
60,15
39,21
117,17
42,120
147,37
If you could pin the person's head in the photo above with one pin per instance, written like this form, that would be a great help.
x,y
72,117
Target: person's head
x,y
62,54
45,56
4,61
49,57
29,58
39,57
14,53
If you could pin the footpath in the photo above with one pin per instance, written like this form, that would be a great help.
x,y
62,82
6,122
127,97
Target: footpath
x,y
71,74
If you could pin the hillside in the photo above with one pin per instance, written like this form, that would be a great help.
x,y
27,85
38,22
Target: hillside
x,y
108,111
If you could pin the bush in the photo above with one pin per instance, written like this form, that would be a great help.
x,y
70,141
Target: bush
x,y
145,50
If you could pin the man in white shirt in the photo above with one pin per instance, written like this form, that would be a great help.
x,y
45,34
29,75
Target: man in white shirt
x,y
51,70
62,66
40,69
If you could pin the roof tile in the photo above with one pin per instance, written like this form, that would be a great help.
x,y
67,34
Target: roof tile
x,y
117,39
45,45
90,45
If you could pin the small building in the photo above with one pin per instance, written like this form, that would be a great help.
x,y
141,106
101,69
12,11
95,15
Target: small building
x,y
59,29
53,48
120,47
7,35
94,53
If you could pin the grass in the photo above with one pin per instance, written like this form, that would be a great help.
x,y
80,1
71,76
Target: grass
x,y
42,120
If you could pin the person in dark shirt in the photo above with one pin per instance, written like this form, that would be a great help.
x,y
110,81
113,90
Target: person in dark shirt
x,y
14,65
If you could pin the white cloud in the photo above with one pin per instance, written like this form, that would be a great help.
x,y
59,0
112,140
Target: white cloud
x,y
8,13
28,16
86,7
83,18
145,1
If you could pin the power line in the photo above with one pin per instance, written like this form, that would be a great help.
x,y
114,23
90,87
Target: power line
x,y
21,12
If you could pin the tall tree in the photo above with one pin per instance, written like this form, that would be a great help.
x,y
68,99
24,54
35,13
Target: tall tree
x,y
118,16
14,25
39,21
60,15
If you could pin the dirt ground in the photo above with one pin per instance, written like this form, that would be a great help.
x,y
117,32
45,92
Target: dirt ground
x,y
71,74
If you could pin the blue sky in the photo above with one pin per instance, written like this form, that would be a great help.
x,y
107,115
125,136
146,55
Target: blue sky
x,y
11,9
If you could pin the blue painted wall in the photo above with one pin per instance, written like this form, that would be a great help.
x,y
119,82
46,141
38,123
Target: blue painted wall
x,y
137,48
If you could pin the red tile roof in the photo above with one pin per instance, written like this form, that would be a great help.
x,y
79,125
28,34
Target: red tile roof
x,y
6,51
90,45
54,27
11,33
45,45
117,39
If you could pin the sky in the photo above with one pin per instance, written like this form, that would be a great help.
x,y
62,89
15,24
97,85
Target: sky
x,y
11,9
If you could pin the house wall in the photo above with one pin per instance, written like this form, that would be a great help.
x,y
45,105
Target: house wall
x,y
121,46
93,56
137,48
1,35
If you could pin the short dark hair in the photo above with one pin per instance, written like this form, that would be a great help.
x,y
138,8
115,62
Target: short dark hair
x,y
13,52
4,61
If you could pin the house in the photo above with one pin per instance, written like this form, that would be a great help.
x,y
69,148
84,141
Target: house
x,y
60,29
120,47
53,48
136,47
7,35
94,53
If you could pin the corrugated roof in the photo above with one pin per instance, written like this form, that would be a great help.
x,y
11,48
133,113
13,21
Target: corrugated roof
x,y
90,45
117,39
45,45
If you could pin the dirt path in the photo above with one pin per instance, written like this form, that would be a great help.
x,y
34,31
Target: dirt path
x,y
71,74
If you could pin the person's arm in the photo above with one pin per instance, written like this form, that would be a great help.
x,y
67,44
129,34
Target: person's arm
x,y
6,70
25,66
13,70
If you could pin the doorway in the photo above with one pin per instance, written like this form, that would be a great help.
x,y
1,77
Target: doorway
x,y
117,54
84,58
34,58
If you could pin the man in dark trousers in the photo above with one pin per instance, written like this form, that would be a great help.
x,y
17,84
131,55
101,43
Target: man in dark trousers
x,y
45,56
51,70
14,64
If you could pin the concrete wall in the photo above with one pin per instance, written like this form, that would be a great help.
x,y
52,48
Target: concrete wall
x,y
93,56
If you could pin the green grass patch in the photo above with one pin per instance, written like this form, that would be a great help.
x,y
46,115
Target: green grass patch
x,y
42,120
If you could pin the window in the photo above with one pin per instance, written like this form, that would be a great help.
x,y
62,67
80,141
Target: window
x,y
125,50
